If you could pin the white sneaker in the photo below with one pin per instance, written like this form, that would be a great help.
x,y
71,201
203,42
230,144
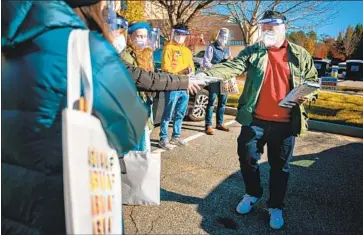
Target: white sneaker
x,y
164,144
276,219
246,204
178,141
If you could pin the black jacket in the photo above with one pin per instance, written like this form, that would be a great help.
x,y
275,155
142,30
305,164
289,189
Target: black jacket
x,y
154,81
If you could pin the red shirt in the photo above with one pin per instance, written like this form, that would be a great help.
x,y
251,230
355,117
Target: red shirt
x,y
275,87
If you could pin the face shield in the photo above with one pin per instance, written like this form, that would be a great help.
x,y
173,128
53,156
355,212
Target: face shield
x,y
271,32
117,25
223,37
154,39
180,36
140,38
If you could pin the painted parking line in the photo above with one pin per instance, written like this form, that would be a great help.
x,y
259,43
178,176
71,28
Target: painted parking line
x,y
193,137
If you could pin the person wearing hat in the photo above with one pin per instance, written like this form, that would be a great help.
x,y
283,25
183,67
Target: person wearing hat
x,y
146,80
274,66
34,42
139,53
216,52
176,59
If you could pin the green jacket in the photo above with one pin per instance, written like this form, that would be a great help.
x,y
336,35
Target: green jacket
x,y
253,60
128,56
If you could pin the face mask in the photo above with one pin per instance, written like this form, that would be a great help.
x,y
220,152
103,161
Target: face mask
x,y
274,38
140,43
179,39
119,43
269,38
222,41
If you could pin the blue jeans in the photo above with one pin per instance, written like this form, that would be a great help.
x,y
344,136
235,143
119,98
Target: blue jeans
x,y
178,101
280,146
222,100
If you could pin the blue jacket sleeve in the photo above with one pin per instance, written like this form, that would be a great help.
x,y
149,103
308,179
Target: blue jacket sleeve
x,y
116,102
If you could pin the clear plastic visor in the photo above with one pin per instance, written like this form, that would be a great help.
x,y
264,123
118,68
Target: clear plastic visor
x,y
116,24
223,37
270,25
154,38
180,36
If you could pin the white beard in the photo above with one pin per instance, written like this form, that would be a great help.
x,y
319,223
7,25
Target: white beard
x,y
273,38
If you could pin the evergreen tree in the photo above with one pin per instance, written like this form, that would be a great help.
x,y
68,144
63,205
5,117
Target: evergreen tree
x,y
358,52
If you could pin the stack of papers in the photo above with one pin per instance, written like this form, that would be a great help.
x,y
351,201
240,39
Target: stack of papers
x,y
204,80
297,93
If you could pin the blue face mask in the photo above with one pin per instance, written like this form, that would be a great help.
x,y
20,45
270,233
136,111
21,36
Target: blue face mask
x,y
140,43
180,39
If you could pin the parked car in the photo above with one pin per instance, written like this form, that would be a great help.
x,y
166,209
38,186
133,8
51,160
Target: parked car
x,y
198,59
342,70
323,67
197,103
354,70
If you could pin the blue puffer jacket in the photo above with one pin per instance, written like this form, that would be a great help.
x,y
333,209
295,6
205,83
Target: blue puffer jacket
x,y
34,72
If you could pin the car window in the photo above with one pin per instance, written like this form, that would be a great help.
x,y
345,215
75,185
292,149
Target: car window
x,y
200,54
317,66
354,68
157,55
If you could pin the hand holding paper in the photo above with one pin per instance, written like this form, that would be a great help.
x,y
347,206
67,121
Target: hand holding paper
x,y
299,95
303,100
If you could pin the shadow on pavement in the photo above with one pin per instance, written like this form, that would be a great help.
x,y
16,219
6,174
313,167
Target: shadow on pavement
x,y
324,197
176,197
193,129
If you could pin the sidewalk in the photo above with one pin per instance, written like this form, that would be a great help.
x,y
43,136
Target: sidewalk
x,y
201,185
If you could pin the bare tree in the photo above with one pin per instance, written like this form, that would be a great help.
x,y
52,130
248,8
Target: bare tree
x,y
301,15
168,13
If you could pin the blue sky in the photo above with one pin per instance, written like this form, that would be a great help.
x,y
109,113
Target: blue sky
x,y
351,13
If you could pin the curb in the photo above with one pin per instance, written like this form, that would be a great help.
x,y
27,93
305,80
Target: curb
x,y
335,128
321,126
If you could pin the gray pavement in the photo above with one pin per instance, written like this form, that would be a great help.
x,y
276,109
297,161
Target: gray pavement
x,y
201,185
350,83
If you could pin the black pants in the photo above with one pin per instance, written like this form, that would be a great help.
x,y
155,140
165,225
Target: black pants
x,y
280,145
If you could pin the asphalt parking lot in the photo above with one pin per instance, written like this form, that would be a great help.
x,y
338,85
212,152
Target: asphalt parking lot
x,y
201,185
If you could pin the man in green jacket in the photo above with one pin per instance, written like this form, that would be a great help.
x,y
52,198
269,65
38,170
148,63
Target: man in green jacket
x,y
274,67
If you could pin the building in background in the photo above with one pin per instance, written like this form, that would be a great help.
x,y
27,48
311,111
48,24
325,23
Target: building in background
x,y
207,28
203,27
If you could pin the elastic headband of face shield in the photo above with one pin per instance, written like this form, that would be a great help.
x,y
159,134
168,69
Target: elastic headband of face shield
x,y
272,21
181,31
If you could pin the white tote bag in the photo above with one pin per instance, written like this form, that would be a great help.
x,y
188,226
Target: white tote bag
x,y
141,183
91,170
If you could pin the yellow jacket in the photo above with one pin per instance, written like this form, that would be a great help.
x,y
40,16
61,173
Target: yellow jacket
x,y
177,59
